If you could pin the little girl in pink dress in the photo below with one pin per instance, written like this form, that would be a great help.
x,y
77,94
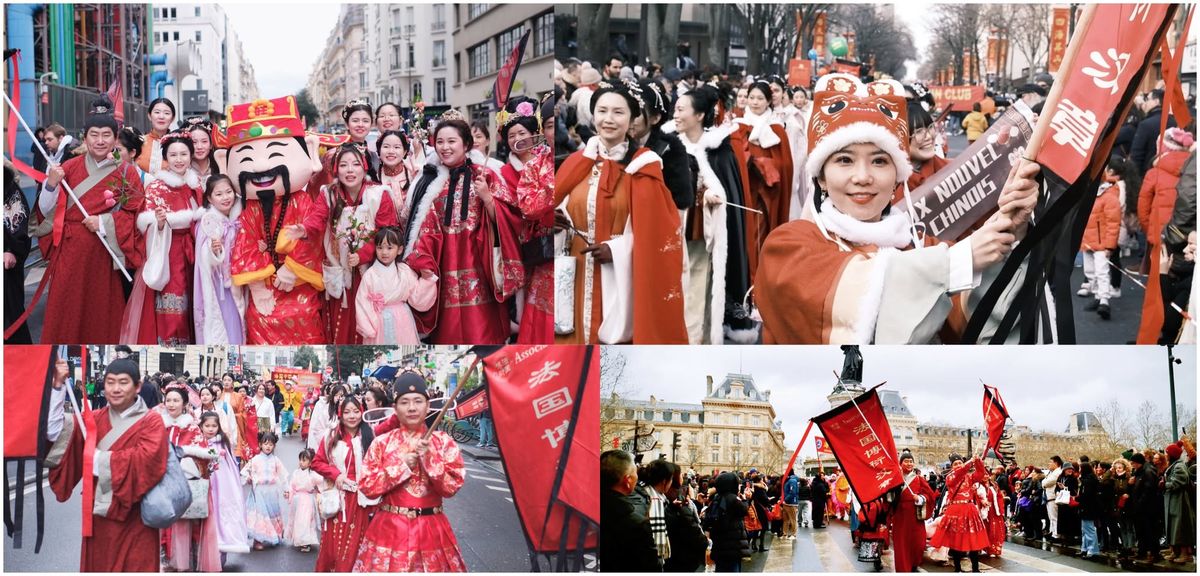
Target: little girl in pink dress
x,y
386,293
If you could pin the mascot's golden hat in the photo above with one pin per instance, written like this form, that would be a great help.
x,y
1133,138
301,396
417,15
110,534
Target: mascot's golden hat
x,y
274,118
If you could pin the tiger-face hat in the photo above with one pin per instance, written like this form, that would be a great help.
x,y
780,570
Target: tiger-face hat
x,y
846,111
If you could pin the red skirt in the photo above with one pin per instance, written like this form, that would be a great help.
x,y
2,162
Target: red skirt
x,y
399,544
997,533
341,539
961,529
537,320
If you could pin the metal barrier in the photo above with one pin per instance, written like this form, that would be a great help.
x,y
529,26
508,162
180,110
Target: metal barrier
x,y
69,106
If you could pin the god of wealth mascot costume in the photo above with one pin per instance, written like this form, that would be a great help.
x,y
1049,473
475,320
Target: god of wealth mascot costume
x,y
265,153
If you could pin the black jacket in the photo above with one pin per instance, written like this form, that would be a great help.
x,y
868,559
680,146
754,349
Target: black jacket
x,y
1089,498
725,522
1145,140
677,167
17,243
626,544
1143,495
688,542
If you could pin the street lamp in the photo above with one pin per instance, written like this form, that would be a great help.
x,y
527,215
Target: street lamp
x,y
1171,362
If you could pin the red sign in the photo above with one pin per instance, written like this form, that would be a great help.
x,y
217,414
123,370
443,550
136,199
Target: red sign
x,y
823,446
1059,26
960,98
546,406
850,45
470,404
861,439
1113,49
800,73
281,374
819,34
845,67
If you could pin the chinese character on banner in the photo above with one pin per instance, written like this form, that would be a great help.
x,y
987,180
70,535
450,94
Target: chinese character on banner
x,y
864,459
1074,126
548,371
1058,39
1108,70
819,34
555,435
552,402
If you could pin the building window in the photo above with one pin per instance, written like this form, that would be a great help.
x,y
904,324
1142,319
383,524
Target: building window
x,y
754,440
479,59
476,10
716,457
716,438
197,11
439,91
439,53
693,438
362,80
176,34
685,417
609,413
395,21
506,42
439,17
395,56
756,420
648,414
545,34
173,15
412,55
197,35
668,416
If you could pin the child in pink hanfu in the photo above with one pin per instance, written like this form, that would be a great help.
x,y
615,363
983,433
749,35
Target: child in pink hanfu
x,y
388,293
268,487
303,528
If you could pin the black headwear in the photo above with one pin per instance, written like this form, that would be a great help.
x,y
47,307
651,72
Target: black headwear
x,y
411,383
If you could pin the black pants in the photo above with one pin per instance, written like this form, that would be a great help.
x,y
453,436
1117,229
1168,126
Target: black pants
x,y
1175,289
1146,527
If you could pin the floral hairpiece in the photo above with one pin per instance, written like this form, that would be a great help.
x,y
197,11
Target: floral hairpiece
x,y
351,105
198,122
524,110
451,114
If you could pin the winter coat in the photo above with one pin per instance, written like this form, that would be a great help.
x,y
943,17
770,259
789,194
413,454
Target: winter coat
x,y
1145,140
1183,217
725,522
1104,224
1089,498
626,544
676,166
1156,200
1143,492
1179,505
688,542
791,491
975,124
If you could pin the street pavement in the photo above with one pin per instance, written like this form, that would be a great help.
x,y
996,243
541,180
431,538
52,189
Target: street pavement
x,y
482,515
830,550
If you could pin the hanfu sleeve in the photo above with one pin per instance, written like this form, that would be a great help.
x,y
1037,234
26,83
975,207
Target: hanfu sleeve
x,y
321,464
133,470
444,465
384,467
365,316
385,216
65,460
424,256
423,295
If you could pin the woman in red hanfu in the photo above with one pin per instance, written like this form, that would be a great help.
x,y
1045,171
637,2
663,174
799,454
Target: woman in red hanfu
x,y
340,460
412,473
961,528
345,215
465,234
190,544
160,308
531,190
908,531
765,153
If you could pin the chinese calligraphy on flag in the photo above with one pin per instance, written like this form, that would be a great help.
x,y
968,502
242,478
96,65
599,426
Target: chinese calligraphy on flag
x,y
819,34
1058,38
546,407
860,438
800,73
1115,45
995,414
993,55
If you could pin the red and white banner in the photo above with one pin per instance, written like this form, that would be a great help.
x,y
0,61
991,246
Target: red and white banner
x,y
546,408
800,73
1059,26
471,403
959,98
819,34
861,440
823,446
995,414
1112,48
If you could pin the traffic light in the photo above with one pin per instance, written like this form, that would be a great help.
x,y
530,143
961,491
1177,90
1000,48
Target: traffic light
x,y
675,445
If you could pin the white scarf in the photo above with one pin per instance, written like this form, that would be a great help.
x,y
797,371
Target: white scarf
x,y
892,231
596,149
761,133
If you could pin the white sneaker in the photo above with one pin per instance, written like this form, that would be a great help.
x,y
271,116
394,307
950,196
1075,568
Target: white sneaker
x,y
1116,293
1084,290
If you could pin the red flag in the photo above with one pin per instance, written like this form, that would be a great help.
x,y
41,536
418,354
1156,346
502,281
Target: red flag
x,y
995,414
27,373
823,446
471,403
504,78
116,94
861,440
545,402
13,125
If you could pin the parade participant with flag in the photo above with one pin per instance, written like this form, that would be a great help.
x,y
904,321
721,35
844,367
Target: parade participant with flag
x,y
412,471
119,455
907,520
961,528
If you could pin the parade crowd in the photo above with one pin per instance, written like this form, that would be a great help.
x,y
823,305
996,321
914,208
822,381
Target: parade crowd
x,y
798,192
367,489
1138,506
399,231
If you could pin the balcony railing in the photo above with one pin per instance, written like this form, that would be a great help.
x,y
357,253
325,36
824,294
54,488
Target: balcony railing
x,y
438,26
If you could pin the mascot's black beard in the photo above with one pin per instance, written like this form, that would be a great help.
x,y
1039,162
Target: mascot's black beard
x,y
266,198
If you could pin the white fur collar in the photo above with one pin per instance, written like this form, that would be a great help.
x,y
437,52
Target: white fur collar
x,y
893,231
435,188
761,133
183,421
191,178
595,149
646,158
515,162
710,139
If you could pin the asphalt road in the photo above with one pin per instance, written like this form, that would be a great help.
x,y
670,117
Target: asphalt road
x,y
482,515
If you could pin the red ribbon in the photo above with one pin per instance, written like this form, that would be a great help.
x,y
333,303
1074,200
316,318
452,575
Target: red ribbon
x,y
12,123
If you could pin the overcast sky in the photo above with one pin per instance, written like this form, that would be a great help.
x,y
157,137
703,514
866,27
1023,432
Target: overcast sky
x,y
282,41
1041,385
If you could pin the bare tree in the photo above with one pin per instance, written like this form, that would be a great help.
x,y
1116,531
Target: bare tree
x,y
889,41
1115,419
1030,34
771,33
613,387
719,19
958,29
593,31
662,31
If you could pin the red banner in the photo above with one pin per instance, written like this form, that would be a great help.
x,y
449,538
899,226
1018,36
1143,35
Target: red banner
x,y
850,43
1059,26
1116,44
546,406
504,77
819,34
995,414
13,124
861,440
471,403
968,66
27,372
823,446
993,55
959,98
281,374
800,73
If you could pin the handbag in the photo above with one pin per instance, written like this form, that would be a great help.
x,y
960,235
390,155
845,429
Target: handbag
x,y
199,507
329,503
166,502
564,286
752,521
1063,497
776,513
538,251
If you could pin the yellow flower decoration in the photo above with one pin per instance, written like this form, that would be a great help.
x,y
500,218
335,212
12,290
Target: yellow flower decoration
x,y
261,107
